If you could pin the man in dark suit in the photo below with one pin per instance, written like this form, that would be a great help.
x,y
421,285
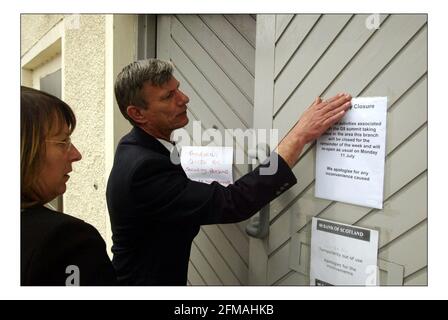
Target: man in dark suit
x,y
155,210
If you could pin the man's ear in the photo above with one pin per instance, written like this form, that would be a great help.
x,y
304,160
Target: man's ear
x,y
136,114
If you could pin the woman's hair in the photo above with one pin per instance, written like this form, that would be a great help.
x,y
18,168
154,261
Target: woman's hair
x,y
40,114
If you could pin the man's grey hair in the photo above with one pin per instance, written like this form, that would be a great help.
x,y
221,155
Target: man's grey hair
x,y
130,81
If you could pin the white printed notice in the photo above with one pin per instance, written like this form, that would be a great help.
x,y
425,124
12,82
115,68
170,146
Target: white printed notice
x,y
208,164
350,155
342,255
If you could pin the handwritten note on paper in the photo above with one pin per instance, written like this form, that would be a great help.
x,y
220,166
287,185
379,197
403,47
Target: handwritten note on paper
x,y
208,164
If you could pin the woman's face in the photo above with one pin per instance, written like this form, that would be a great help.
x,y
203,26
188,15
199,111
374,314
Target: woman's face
x,y
60,154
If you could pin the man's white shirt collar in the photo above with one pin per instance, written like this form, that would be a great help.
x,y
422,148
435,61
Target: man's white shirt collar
x,y
168,145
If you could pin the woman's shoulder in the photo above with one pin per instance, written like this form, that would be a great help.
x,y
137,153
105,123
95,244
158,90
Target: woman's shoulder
x,y
44,224
46,216
52,240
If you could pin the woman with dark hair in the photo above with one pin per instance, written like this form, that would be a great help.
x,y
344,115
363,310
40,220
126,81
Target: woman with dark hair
x,y
56,249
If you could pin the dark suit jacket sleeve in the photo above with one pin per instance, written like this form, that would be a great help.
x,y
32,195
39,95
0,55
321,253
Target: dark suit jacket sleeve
x,y
73,243
164,192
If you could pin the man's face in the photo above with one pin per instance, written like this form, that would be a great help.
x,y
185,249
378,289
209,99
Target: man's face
x,y
167,107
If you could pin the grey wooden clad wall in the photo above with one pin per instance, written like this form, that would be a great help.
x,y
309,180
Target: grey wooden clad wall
x,y
214,57
321,55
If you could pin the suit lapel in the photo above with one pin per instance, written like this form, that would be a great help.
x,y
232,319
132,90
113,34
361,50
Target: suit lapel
x,y
140,137
145,139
